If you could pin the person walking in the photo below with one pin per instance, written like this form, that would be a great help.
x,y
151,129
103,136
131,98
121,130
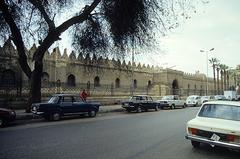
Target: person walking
x,y
84,95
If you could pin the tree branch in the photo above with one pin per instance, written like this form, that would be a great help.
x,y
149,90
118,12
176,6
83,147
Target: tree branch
x,y
17,38
40,7
54,34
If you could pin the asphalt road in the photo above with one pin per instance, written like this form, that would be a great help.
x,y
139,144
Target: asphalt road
x,y
150,135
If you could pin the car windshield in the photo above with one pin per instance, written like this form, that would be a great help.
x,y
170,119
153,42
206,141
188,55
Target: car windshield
x,y
53,99
191,98
167,98
220,111
136,98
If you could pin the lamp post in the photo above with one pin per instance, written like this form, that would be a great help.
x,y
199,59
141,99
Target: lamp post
x,y
207,51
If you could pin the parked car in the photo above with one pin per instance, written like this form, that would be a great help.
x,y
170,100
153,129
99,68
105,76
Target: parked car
x,y
64,104
193,100
172,101
6,116
139,103
207,99
217,123
220,97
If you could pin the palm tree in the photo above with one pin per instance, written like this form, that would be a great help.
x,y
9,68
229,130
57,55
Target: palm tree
x,y
225,67
213,62
217,67
221,66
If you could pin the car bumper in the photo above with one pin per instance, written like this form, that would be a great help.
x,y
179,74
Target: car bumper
x,y
212,142
37,113
130,107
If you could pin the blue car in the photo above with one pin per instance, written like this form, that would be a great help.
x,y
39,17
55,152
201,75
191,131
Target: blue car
x,y
64,104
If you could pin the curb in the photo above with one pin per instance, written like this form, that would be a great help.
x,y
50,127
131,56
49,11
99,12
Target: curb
x,y
29,116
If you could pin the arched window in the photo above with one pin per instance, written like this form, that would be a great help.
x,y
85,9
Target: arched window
x,y
188,86
134,83
175,88
149,84
8,79
195,86
117,83
45,79
71,80
96,81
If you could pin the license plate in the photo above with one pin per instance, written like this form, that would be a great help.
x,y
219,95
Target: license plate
x,y
215,137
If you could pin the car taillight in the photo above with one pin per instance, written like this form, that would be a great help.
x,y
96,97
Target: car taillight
x,y
233,138
193,131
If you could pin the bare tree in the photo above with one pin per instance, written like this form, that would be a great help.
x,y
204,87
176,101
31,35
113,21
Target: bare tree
x,y
99,25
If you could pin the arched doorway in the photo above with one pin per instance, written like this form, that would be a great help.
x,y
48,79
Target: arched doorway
x,y
45,79
175,87
8,79
134,83
71,81
117,83
96,81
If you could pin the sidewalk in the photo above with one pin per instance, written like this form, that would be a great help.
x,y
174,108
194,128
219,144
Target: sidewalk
x,y
22,115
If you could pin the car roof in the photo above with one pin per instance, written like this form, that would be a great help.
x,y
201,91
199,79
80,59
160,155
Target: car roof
x,y
140,96
64,95
234,103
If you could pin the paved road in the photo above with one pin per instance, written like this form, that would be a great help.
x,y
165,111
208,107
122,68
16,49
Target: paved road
x,y
150,135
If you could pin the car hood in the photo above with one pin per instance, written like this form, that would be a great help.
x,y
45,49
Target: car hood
x,y
6,110
42,104
215,125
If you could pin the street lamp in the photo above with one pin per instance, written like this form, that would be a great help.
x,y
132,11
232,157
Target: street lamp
x,y
207,51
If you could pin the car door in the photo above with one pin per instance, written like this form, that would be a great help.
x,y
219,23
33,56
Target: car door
x,y
67,104
80,105
144,102
150,103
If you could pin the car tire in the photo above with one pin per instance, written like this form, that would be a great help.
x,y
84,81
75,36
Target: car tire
x,y
184,105
139,110
92,113
195,144
128,110
156,108
172,106
56,116
1,122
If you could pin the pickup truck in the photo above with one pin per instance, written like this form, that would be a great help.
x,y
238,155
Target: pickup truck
x,y
172,101
139,103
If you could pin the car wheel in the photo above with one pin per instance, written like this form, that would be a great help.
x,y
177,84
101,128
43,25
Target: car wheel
x,y
92,113
172,106
56,116
184,105
128,110
156,108
139,110
195,144
1,122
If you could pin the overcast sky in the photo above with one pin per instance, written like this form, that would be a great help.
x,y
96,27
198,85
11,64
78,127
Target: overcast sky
x,y
215,25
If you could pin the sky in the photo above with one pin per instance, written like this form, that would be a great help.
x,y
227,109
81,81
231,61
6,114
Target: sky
x,y
215,25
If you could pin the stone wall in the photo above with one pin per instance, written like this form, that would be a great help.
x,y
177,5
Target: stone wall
x,y
66,72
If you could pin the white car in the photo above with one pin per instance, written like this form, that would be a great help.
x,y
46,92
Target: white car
x,y
207,99
217,123
193,100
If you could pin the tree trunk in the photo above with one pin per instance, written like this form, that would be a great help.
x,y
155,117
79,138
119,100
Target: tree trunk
x,y
225,78
218,80
221,80
214,79
35,86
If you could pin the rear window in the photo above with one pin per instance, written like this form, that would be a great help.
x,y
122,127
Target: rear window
x,y
228,112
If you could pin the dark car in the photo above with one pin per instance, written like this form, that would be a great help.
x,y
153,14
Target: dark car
x,y
6,116
139,103
65,104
